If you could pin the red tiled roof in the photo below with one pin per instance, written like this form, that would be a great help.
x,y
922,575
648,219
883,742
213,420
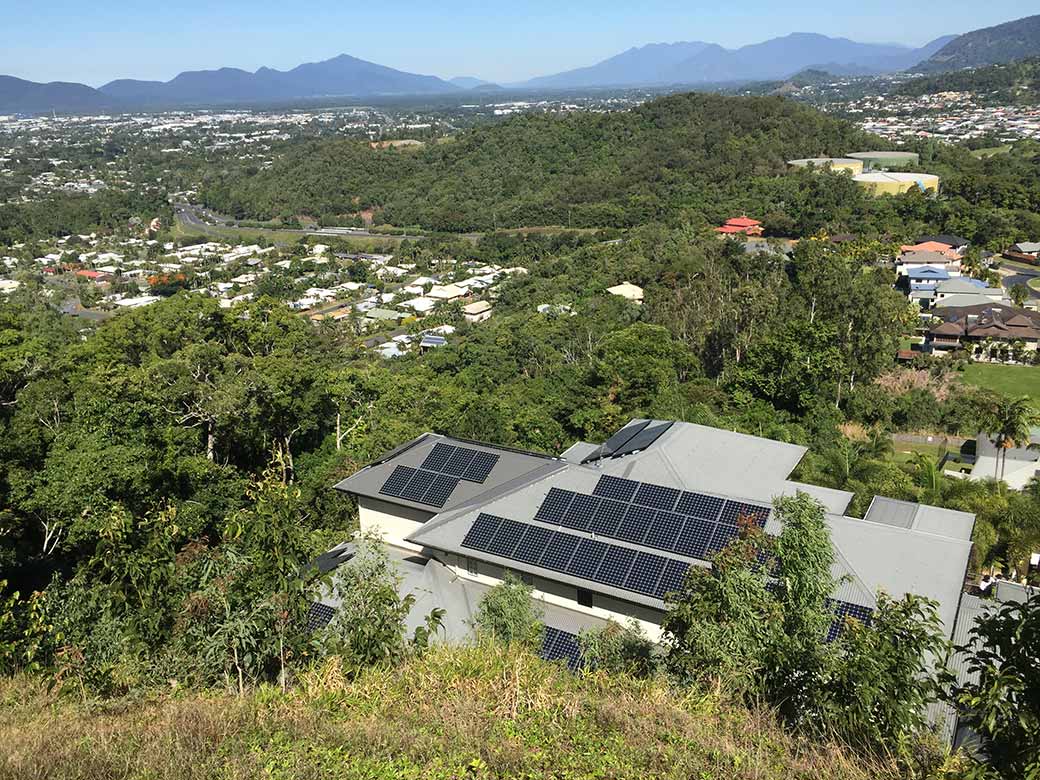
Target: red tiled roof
x,y
730,229
744,222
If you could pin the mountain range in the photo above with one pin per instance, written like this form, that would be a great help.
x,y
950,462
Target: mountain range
x,y
990,46
658,64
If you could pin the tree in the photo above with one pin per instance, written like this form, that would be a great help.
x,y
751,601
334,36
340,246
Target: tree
x,y
1019,294
1009,422
508,614
1000,701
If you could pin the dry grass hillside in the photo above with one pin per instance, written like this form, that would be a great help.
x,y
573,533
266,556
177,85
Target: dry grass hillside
x,y
457,713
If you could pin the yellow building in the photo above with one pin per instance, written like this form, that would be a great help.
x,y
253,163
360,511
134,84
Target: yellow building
x,y
878,183
855,167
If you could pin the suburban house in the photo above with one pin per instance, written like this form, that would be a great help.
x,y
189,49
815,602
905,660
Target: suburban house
x,y
965,291
628,291
972,326
922,281
447,292
477,312
912,259
1020,464
1027,248
741,226
954,242
605,531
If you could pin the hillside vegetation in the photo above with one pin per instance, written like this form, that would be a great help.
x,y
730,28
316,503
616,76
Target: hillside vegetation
x,y
473,712
686,153
1016,82
1006,42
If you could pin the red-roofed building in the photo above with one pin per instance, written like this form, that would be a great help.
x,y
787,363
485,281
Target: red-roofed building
x,y
94,276
741,225
930,246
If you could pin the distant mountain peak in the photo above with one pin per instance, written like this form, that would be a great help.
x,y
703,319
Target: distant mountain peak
x,y
995,45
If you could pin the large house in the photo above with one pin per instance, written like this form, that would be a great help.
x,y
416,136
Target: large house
x,y
914,258
970,326
965,291
605,532
1016,465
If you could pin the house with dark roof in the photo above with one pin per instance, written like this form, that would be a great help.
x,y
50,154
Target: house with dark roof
x,y
606,531
972,327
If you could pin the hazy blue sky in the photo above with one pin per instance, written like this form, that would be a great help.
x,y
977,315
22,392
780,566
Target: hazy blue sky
x,y
94,41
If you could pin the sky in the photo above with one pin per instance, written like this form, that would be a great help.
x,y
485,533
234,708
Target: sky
x,y
93,42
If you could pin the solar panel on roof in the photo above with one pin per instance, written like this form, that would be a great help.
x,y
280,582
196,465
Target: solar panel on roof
x,y
396,481
733,510
553,507
634,524
645,572
559,645
580,512
671,577
319,615
505,539
480,533
663,531
616,488
587,558
656,496
615,566
623,436
440,491
607,518
531,547
458,462
642,440
438,457
843,610
721,536
480,467
559,551
699,505
694,537
418,485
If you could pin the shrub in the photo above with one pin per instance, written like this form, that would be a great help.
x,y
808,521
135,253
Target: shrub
x,y
508,614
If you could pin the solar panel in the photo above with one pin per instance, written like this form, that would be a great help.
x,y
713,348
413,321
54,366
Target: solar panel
x,y
616,488
656,496
642,440
622,437
438,457
558,553
480,467
607,517
396,481
634,524
615,566
737,509
531,547
505,539
700,505
440,491
663,531
694,537
559,645
587,558
722,535
319,615
458,462
553,507
580,512
645,573
843,610
671,578
480,533
418,485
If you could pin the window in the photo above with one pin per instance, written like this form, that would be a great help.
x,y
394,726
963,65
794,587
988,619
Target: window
x,y
471,566
584,597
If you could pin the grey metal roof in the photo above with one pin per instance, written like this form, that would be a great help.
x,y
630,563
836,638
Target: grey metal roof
x,y
512,465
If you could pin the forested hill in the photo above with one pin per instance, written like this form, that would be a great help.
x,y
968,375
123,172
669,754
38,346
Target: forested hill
x,y
1015,82
684,155
1003,43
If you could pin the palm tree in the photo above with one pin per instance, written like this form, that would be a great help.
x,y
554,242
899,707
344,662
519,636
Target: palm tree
x,y
1010,424
928,473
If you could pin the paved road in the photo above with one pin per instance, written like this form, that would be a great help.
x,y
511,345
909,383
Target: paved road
x,y
1018,275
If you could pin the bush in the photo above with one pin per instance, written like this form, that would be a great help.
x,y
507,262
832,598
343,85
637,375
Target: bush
x,y
619,649
507,614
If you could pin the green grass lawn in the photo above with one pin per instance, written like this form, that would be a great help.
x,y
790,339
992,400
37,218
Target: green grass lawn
x,y
1009,380
991,151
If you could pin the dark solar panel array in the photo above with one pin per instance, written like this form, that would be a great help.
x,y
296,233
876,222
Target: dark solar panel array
x,y
692,524
467,464
420,486
590,559
843,610
319,615
558,645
